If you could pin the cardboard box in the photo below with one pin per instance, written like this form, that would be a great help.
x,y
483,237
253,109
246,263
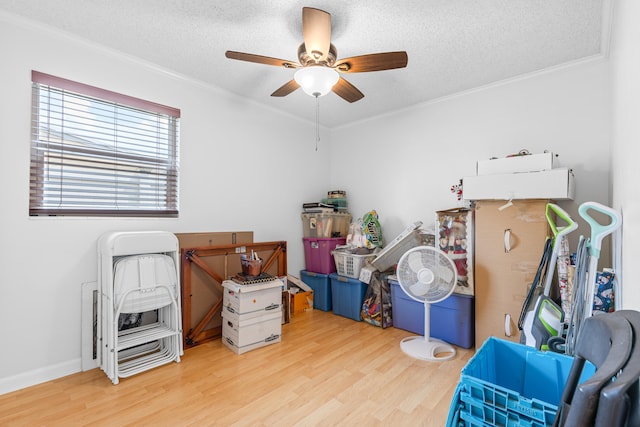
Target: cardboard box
x,y
301,295
555,184
286,307
242,335
194,240
516,164
246,299
508,249
301,302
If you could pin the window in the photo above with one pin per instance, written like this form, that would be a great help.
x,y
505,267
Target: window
x,y
100,153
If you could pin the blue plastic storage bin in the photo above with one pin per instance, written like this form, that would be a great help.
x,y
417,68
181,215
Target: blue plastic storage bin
x,y
477,413
347,295
512,382
321,286
452,320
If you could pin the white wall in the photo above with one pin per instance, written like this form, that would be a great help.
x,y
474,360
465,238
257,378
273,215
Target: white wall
x,y
626,135
243,167
404,164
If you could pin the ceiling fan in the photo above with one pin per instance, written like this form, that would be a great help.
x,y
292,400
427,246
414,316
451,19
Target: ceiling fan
x,y
319,69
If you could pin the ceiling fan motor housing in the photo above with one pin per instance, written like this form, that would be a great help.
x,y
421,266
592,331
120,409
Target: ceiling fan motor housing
x,y
313,58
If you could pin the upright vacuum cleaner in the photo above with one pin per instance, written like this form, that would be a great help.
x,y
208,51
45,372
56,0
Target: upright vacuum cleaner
x,y
545,320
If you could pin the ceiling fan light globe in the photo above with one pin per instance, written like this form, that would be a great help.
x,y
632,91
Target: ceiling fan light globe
x,y
316,80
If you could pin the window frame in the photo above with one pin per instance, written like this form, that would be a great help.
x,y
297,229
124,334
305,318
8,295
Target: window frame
x,y
159,171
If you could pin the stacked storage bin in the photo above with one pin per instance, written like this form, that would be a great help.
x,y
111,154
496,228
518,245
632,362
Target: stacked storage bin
x,y
251,314
347,292
324,228
323,231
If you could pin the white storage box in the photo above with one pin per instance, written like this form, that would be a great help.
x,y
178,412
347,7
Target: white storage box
x,y
271,308
515,164
555,184
242,335
243,299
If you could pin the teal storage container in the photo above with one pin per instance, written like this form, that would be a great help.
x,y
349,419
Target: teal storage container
x,y
510,383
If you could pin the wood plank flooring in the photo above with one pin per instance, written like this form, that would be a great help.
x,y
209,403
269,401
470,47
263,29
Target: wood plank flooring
x,y
327,371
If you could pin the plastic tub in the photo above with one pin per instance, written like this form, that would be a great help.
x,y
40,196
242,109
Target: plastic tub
x,y
317,253
326,224
347,295
321,286
514,379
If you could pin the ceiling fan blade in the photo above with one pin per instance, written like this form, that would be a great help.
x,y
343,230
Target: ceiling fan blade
x,y
316,32
286,88
372,62
259,59
347,91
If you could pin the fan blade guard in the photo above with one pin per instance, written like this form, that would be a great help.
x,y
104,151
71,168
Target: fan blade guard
x,y
426,274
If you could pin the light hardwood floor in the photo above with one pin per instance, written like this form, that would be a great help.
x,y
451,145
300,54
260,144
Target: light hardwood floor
x,y
328,370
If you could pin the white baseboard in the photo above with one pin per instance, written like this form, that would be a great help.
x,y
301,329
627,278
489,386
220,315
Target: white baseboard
x,y
38,376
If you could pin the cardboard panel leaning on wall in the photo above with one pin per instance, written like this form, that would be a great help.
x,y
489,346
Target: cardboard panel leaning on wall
x,y
202,291
508,248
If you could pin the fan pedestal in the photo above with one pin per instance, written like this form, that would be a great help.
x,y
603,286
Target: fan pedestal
x,y
427,348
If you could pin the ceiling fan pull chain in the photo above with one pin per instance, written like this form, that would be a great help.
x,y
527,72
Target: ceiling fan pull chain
x,y
317,121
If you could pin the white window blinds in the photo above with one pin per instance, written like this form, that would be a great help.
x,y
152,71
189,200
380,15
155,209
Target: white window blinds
x,y
100,153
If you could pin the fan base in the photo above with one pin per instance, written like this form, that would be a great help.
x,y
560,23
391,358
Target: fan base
x,y
427,348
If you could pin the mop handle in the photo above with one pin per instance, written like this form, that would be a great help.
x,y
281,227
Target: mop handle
x,y
599,231
560,213
558,234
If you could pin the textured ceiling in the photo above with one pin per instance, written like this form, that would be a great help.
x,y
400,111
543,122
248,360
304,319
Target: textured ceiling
x,y
453,45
